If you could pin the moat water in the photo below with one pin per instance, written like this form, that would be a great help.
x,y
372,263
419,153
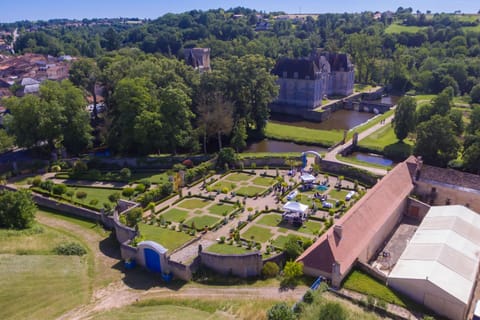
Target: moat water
x,y
282,146
371,158
339,120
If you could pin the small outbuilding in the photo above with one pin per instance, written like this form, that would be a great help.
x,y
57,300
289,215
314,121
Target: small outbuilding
x,y
295,212
307,178
439,267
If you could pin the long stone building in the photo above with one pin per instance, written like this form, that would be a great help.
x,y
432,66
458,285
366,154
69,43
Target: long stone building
x,y
304,82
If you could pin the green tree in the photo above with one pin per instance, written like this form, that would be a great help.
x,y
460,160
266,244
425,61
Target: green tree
x,y
475,94
133,216
84,73
436,141
404,120
6,140
239,136
270,270
226,156
456,116
333,311
292,247
291,272
17,209
474,124
280,311
112,40
442,103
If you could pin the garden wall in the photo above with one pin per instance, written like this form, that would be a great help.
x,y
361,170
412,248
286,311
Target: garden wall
x,y
182,271
416,209
349,172
279,259
128,252
242,265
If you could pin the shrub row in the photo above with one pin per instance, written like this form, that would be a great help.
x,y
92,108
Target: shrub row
x,y
198,172
155,195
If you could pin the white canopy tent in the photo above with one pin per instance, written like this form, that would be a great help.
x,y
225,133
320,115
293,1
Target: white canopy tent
x,y
307,178
293,206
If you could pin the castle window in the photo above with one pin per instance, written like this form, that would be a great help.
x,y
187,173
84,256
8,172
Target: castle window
x,y
307,77
295,75
284,74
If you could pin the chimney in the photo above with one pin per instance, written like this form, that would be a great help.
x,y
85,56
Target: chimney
x,y
418,169
338,230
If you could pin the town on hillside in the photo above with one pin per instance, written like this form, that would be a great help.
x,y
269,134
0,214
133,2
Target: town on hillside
x,y
241,164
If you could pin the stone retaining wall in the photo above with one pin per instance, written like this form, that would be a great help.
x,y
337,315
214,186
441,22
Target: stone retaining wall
x,y
242,265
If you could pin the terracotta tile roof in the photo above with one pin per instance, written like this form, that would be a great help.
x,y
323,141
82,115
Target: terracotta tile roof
x,y
450,176
360,224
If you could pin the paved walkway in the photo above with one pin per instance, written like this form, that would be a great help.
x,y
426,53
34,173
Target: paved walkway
x,y
332,154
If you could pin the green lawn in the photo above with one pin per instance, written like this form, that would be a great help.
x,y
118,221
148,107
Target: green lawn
x,y
224,248
202,221
84,223
250,191
175,215
383,138
339,195
221,209
361,282
98,194
171,312
259,234
358,87
270,219
158,178
397,28
220,185
263,181
168,238
193,203
303,135
370,123
236,177
311,227
280,241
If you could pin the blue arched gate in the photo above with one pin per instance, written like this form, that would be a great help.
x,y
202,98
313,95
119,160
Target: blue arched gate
x,y
152,260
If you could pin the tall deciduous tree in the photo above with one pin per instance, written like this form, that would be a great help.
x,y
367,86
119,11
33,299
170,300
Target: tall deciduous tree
x,y
404,120
84,73
17,209
474,124
239,136
436,141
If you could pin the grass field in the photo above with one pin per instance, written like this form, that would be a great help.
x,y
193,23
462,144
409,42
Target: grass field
x,y
41,286
36,284
259,234
382,138
237,177
168,238
220,308
223,248
325,138
250,191
358,87
37,240
221,209
397,28
280,241
175,215
311,227
202,221
361,282
263,181
370,123
193,203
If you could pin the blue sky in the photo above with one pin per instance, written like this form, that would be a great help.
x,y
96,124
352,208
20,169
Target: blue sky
x,y
11,10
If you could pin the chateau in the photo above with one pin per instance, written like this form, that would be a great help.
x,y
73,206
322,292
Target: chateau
x,y
305,81
198,58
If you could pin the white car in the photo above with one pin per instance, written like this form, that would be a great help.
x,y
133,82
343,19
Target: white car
x,y
349,195
292,195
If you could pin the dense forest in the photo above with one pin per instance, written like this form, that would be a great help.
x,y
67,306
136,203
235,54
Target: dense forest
x,y
157,104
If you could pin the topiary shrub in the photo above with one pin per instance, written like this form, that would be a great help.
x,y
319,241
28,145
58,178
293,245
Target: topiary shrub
x,y
128,192
140,188
37,181
55,168
114,197
81,194
59,189
70,249
126,173
93,202
270,270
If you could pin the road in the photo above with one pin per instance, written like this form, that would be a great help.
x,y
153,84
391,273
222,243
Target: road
x,y
332,154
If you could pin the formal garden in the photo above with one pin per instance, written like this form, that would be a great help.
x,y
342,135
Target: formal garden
x,y
241,211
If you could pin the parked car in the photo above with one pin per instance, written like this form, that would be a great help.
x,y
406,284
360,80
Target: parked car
x,y
349,195
292,195
327,205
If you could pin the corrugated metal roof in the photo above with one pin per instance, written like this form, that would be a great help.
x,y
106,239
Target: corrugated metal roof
x,y
444,251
